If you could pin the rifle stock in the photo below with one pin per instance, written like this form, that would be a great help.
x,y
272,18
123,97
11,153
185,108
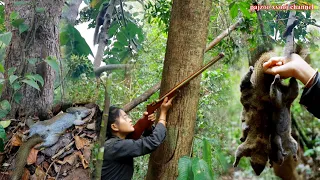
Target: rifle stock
x,y
144,123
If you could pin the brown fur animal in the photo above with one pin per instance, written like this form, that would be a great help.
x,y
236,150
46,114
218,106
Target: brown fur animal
x,y
266,121
281,140
256,115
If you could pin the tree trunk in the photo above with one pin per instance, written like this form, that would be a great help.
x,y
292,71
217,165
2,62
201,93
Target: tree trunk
x,y
39,41
185,49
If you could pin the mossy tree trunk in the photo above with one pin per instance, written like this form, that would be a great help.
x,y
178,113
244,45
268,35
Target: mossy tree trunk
x,y
39,41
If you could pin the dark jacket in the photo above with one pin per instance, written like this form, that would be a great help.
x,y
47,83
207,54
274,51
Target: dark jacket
x,y
119,153
311,97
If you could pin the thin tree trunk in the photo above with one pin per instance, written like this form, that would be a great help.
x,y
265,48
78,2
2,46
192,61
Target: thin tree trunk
x,y
41,40
185,49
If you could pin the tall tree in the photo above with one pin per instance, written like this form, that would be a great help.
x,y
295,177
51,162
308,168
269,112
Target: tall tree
x,y
35,36
184,54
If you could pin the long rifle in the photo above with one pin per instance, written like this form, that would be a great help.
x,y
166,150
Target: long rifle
x,y
144,123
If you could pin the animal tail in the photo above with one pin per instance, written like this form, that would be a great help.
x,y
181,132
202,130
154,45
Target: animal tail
x,y
22,155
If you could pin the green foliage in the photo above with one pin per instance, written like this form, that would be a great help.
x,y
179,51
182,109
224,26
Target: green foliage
x,y
195,168
53,63
3,137
2,19
5,108
125,35
73,42
32,79
207,155
158,12
5,124
185,168
200,169
20,3
243,6
79,65
5,39
18,22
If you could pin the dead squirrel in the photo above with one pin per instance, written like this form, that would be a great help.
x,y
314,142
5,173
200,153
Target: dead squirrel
x,y
255,116
281,140
261,117
48,132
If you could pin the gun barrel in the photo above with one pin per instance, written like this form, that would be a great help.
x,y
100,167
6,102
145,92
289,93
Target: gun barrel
x,y
188,79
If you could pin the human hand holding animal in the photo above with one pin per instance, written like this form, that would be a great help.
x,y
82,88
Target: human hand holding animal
x,y
294,66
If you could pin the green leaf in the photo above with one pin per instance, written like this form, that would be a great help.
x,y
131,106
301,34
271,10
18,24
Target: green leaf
x,y
118,45
31,83
12,78
19,3
5,105
39,78
6,38
135,14
11,70
5,124
40,10
1,81
17,22
72,38
185,168
2,133
244,9
32,60
16,85
3,113
3,137
234,10
64,39
1,68
17,97
200,169
113,28
308,152
14,15
122,38
23,27
207,154
29,76
53,63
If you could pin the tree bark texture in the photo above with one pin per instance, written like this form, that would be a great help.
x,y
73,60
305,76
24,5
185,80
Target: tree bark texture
x,y
43,41
184,54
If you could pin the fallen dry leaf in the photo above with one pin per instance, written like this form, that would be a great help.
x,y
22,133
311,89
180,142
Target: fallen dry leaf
x,y
84,162
87,152
39,174
69,159
16,140
91,126
80,142
32,158
45,165
26,174
78,174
